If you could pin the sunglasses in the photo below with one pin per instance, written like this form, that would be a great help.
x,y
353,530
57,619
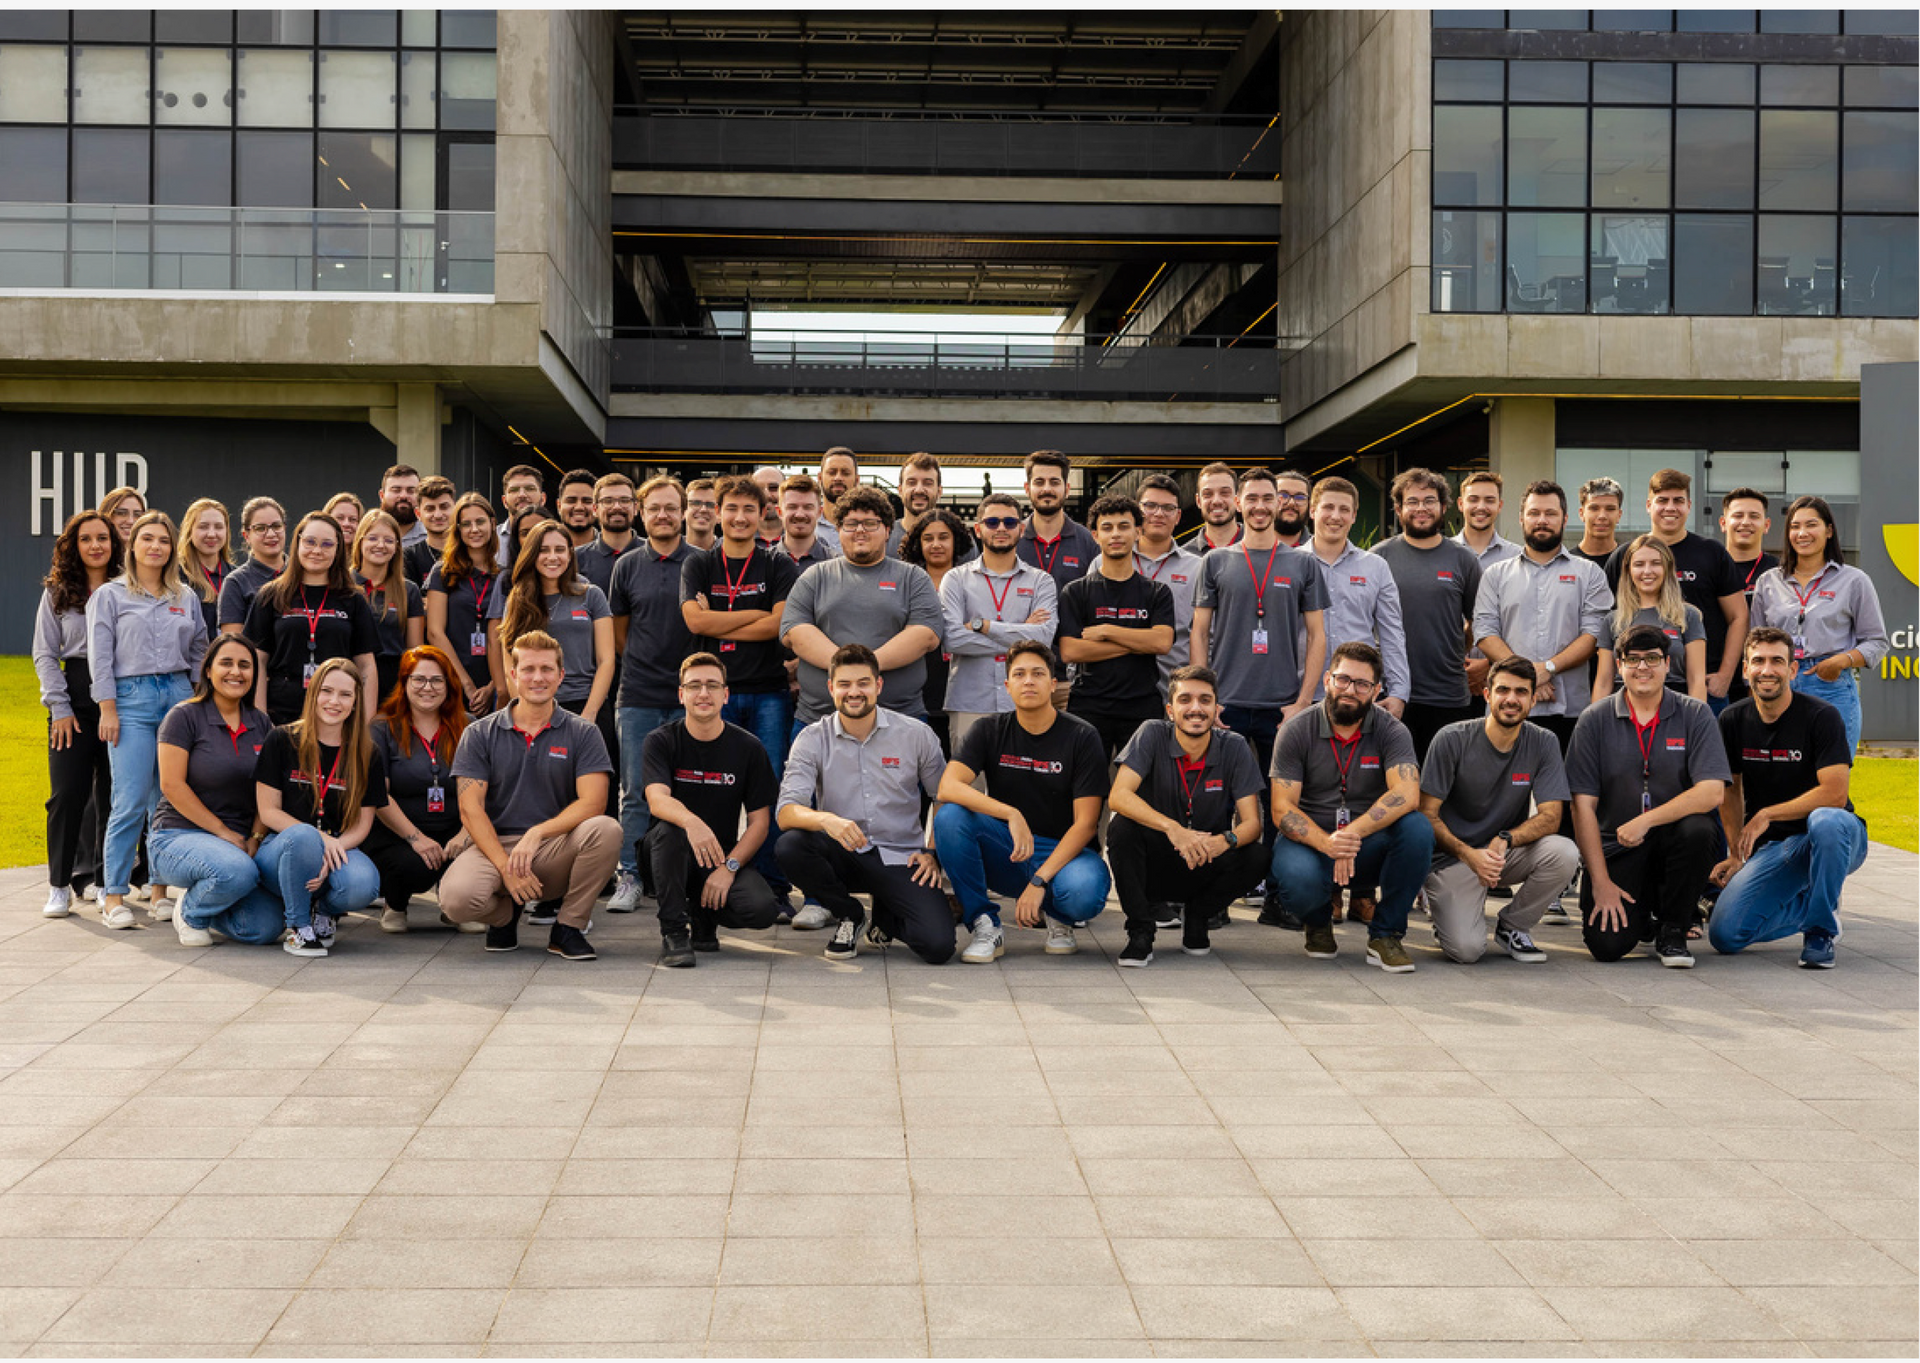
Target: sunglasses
x,y
999,522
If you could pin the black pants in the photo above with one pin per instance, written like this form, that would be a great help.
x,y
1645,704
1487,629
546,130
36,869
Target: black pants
x,y
916,914
1665,875
1424,721
402,873
610,735
1147,871
80,790
1561,727
1114,729
678,880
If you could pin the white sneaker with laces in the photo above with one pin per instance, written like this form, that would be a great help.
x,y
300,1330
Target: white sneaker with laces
x,y
59,902
810,918
1060,938
988,944
626,893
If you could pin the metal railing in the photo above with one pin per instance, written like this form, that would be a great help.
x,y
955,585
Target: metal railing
x,y
321,250
1202,368
855,141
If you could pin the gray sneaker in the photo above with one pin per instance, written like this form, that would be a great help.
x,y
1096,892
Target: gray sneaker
x,y
812,918
988,944
626,893
1060,938
1518,945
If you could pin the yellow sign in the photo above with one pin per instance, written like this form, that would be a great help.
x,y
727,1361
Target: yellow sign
x,y
1903,547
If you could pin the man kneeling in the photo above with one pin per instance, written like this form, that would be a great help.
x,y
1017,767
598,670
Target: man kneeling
x,y
850,805
700,774
1186,817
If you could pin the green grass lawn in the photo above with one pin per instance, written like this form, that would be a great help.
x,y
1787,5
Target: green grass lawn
x,y
1883,787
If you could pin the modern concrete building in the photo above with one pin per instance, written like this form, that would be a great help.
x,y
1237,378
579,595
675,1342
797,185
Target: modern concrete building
x,y
253,250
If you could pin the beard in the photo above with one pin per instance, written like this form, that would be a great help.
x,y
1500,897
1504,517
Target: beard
x,y
1346,710
1289,522
1543,541
404,513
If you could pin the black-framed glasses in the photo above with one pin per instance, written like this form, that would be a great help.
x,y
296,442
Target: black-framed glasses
x,y
1359,686
1643,660
426,683
861,525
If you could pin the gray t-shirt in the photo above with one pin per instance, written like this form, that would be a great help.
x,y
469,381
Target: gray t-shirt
x,y
530,776
1437,588
1484,791
1306,751
868,605
1677,641
1234,592
220,763
1202,798
571,619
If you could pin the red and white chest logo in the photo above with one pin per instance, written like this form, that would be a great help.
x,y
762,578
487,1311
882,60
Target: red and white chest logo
x,y
556,751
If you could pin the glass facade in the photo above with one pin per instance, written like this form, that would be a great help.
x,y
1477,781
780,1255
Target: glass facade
x,y
1781,474
1711,187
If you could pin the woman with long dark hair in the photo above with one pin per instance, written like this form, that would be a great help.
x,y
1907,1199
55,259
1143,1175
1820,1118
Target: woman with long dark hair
x,y
308,616
419,726
85,557
466,594
399,611
546,592
936,544
1828,607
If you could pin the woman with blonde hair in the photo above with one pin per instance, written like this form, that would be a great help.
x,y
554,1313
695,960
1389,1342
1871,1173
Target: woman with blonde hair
x,y
1649,594
346,510
123,506
399,611
206,553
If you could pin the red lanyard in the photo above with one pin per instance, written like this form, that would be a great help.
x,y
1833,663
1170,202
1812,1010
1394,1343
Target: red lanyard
x,y
1644,735
217,575
735,588
312,614
1047,558
1806,598
1747,586
322,785
1260,583
480,590
1352,745
1158,565
432,756
1000,597
1196,767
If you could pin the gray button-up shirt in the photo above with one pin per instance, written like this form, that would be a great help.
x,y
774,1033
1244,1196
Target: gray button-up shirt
x,y
55,639
131,634
1537,609
1178,570
1363,606
1498,550
1842,611
876,783
977,670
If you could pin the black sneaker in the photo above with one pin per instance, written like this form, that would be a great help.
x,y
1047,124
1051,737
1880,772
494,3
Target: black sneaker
x,y
846,941
676,949
1223,919
878,938
706,933
1673,953
1165,916
1138,952
545,912
570,944
506,937
323,928
1194,939
1274,916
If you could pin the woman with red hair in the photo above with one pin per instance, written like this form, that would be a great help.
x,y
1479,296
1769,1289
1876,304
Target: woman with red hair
x,y
418,728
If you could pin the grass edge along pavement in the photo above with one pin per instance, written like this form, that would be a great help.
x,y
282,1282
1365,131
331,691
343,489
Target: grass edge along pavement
x,y
1886,790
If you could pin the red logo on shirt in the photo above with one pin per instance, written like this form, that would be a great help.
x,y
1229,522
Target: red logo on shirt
x,y
556,752
889,761
582,615
1825,596
1676,745
889,586
1523,778
1369,764
1179,577
1023,591
1569,577
1018,763
692,777
175,610
1215,787
1071,562
1356,582
1443,574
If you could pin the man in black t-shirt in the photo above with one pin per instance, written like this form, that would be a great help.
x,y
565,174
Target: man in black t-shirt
x,y
1793,833
1032,833
1186,817
1114,624
700,775
1745,523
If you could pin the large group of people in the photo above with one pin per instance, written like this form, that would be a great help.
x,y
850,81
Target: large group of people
x,y
724,694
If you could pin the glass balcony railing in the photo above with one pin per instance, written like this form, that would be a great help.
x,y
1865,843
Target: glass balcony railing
x,y
301,250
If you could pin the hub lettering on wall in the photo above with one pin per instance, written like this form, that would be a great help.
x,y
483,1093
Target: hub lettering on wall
x,y
58,484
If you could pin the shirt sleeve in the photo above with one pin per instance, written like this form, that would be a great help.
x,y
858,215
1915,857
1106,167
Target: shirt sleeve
x,y
1443,760
497,597
1159,605
376,796
1726,573
1829,733
1605,633
1396,742
1137,756
470,757
176,730
46,660
103,615
275,760
1583,751
923,602
1205,592
1730,738
933,763
1596,599
1313,586
761,789
800,603
1473,576
233,606
366,635
800,778
1071,625
1696,626
693,576
597,603
435,582
656,760
591,758
1089,764
1869,629
1486,606
1706,754
1290,751
976,749
955,637
1391,627
1757,607
1046,597
781,575
416,602
1549,772
1243,770
262,618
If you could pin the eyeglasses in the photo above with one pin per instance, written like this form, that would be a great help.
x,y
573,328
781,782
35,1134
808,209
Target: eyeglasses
x,y
426,683
1359,686
266,528
703,506
1160,508
1421,504
699,686
614,501
999,522
1299,497
863,526
306,543
1644,660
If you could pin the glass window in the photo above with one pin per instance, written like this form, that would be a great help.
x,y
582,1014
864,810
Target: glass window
x,y
1632,83
192,166
1546,82
417,172
112,25
1547,18
1630,269
33,84
1881,153
1878,267
1466,262
1469,18
1546,262
1714,20
110,166
1763,472
1799,21
46,25
1902,23
193,26
1631,158
193,85
275,170
1883,87
357,170
357,89
1786,86
1798,159
1716,83
1713,158
1633,21
1796,266
110,85
357,27
1823,473
466,90
1632,469
1467,153
467,28
470,177
417,27
1469,80
276,89
1713,264
275,27
1547,157
36,162
416,89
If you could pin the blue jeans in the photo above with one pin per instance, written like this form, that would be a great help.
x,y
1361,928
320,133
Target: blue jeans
x,y
211,874
1842,695
1396,859
1792,885
768,716
635,722
974,850
142,703
290,858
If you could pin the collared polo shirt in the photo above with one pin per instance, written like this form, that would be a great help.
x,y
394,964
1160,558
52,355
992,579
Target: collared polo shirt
x,y
876,782
646,589
1537,609
1606,759
1306,751
1363,606
530,776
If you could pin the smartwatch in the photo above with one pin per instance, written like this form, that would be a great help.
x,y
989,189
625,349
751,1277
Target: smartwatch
x,y
1233,838
733,864
1038,881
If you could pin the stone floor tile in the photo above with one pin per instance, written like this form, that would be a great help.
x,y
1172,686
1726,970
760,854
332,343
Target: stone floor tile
x,y
1608,1263
1027,1311
26,1312
1071,1263
570,1218
818,1313
601,1177
94,1215
449,1219
1008,1216
1243,1262
156,1317
658,1261
1701,1313
1411,1263
1719,1218
1245,1313
827,1262
1200,1217
1311,1177
596,1315
1346,1218
819,1214
1455,1313
162,1262
468,1262
1840,1313
328,1317
1559,1218
84,1176
1801,1263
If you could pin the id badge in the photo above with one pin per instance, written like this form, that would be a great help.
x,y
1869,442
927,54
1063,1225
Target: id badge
x,y
728,645
1799,648
306,673
1646,802
477,645
1259,642
1342,817
436,799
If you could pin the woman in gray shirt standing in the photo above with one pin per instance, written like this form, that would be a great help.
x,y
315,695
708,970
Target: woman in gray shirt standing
x,y
85,556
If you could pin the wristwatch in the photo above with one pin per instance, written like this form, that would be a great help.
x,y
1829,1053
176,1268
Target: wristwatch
x,y
1551,669
1233,838
978,624
733,864
1038,881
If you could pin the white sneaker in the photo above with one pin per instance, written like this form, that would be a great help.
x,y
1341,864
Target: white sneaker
x,y
392,919
988,945
302,942
59,902
811,917
160,910
189,935
95,893
1060,938
138,894
626,893
116,915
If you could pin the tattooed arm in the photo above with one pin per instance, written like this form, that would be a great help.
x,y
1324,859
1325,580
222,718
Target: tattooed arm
x,y
1292,823
1402,797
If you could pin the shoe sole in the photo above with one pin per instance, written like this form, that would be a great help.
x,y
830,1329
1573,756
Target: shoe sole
x,y
1144,961
1530,957
1053,950
1323,955
687,964
1677,962
1406,969
502,950
839,956
586,956
130,923
309,953
1816,965
393,927
998,952
623,908
1197,951
56,913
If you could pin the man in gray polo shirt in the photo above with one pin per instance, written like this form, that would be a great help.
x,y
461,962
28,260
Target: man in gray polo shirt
x,y
850,805
989,605
1160,559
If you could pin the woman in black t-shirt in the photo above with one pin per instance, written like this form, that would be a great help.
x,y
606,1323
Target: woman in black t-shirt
x,y
464,603
318,783
399,611
308,616
206,555
936,545
418,729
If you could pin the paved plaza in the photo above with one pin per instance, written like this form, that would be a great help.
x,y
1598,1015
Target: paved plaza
x,y
414,1147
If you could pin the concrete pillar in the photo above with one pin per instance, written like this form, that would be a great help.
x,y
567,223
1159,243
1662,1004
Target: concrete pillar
x,y
417,427
1520,449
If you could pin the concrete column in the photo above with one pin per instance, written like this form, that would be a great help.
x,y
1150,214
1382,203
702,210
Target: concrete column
x,y
417,427
1520,449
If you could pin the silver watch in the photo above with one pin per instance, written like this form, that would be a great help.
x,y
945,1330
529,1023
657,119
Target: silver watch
x,y
733,864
